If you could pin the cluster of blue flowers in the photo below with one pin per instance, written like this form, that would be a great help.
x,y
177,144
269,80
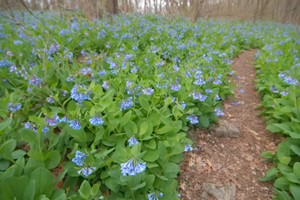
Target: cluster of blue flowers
x,y
154,196
193,119
79,160
126,104
132,167
132,141
14,107
79,93
96,121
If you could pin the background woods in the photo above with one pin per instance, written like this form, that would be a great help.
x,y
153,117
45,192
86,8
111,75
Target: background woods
x,y
287,11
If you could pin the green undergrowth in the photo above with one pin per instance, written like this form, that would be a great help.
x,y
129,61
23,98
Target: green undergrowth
x,y
100,109
278,76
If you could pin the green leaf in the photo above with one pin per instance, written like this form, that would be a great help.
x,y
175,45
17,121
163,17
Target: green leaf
x,y
95,189
270,175
151,144
144,128
151,155
130,128
284,159
126,118
44,181
295,190
4,164
273,128
29,192
296,169
267,155
282,183
171,170
165,129
52,159
295,149
144,103
6,123
85,190
204,121
139,186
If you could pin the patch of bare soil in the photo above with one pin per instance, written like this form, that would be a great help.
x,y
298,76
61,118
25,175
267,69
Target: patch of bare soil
x,y
218,161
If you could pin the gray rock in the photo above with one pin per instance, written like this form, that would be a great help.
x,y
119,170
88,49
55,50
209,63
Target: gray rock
x,y
225,129
218,192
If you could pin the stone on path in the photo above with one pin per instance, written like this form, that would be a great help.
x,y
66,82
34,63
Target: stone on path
x,y
225,129
218,192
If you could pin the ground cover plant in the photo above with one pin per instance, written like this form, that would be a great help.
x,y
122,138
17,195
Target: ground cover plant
x,y
278,71
101,109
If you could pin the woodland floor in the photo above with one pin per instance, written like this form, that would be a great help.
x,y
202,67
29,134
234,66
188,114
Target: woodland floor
x,y
236,161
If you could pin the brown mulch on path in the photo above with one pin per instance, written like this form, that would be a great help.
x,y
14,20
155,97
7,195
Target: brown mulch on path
x,y
233,160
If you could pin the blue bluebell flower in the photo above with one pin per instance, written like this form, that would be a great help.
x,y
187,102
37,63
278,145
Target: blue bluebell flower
x,y
132,167
70,79
198,96
64,119
5,63
53,48
85,71
50,100
132,141
53,121
18,42
28,125
284,93
14,107
134,70
175,87
148,91
193,119
45,129
183,104
75,124
219,112
208,91
188,147
154,196
176,68
79,158
105,85
127,104
79,93
64,93
96,121
86,171
101,73
13,69
273,89
199,81
35,81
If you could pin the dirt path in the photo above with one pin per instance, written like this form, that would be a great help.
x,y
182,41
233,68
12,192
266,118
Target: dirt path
x,y
232,161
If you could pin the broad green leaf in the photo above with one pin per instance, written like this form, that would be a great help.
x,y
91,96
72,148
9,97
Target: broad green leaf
x,y
44,181
144,128
204,121
6,123
126,118
284,159
85,190
30,188
295,190
282,183
151,144
52,159
95,189
295,149
267,155
151,155
270,175
139,186
171,170
144,103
